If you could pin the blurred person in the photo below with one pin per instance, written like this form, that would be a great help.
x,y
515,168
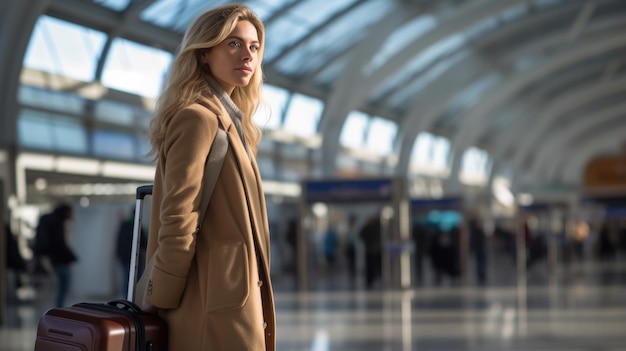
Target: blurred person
x,y
370,234
606,244
622,236
419,234
331,242
581,232
124,246
212,286
478,247
51,242
15,261
291,236
351,246
444,254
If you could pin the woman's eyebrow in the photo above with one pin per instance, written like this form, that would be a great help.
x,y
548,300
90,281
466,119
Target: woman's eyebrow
x,y
241,39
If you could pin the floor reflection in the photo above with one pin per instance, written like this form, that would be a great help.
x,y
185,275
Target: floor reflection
x,y
580,309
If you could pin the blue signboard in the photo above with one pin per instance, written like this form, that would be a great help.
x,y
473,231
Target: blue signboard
x,y
349,190
451,202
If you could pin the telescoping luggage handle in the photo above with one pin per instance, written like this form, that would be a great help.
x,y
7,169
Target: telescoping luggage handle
x,y
142,192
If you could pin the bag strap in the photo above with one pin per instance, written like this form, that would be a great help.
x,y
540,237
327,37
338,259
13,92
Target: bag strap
x,y
212,170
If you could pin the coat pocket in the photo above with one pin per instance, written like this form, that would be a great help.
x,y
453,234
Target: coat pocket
x,y
227,281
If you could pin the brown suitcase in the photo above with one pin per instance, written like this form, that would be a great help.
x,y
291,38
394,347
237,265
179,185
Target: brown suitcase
x,y
118,325
115,326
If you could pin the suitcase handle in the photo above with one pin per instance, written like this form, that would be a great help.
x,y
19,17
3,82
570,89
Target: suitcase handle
x,y
125,305
143,191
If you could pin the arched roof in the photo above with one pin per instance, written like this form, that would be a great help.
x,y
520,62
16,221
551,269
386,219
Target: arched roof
x,y
531,82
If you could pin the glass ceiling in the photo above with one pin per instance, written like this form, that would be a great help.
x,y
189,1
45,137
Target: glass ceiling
x,y
308,39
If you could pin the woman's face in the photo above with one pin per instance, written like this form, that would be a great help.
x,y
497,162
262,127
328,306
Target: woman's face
x,y
234,60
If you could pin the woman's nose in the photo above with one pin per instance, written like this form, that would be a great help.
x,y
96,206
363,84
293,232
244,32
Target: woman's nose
x,y
247,54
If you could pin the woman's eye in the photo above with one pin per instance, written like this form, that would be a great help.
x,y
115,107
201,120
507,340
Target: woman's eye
x,y
254,48
234,44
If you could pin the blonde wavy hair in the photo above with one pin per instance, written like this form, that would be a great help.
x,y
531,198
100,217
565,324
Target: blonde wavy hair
x,y
185,82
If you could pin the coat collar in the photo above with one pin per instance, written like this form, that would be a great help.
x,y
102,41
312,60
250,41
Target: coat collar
x,y
214,106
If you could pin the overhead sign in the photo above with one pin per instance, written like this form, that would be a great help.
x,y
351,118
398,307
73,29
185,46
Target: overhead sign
x,y
606,172
450,202
349,190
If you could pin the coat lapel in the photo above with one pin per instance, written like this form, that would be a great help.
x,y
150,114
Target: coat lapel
x,y
250,177
261,197
251,182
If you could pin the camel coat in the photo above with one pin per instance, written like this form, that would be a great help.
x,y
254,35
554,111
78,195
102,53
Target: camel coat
x,y
213,287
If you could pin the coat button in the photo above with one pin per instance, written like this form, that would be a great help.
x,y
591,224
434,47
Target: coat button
x,y
259,283
264,325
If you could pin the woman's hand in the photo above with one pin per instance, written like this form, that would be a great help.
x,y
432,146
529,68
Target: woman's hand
x,y
146,307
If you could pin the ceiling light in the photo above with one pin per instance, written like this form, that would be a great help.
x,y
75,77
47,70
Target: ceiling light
x,y
77,165
128,171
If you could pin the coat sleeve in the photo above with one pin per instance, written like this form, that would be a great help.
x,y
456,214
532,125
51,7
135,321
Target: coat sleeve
x,y
186,146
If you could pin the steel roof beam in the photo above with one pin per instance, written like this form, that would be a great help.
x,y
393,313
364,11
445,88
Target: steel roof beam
x,y
611,142
564,139
289,49
341,101
422,113
17,20
549,121
355,85
91,15
474,120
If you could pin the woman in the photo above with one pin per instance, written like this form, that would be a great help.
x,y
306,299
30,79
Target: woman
x,y
213,287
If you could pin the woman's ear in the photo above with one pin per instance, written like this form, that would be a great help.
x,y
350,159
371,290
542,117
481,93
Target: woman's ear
x,y
204,56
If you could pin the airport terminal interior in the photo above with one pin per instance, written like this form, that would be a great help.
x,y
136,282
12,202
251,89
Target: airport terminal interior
x,y
441,175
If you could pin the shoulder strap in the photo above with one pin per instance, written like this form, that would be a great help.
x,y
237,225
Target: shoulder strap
x,y
212,169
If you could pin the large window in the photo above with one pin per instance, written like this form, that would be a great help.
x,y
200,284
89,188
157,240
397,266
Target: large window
x,y
270,113
375,135
430,155
135,68
475,166
51,100
303,115
51,132
114,145
64,48
380,136
354,129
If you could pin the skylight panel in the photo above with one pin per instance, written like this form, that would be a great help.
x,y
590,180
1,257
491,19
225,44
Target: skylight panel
x,y
403,36
135,68
52,100
381,135
354,129
303,115
117,5
51,132
270,113
337,37
475,166
64,48
313,12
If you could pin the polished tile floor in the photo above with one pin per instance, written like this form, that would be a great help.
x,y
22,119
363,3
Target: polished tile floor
x,y
578,308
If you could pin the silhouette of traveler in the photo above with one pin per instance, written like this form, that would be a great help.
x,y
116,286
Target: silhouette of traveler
x,y
15,260
51,241
371,236
124,247
478,246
